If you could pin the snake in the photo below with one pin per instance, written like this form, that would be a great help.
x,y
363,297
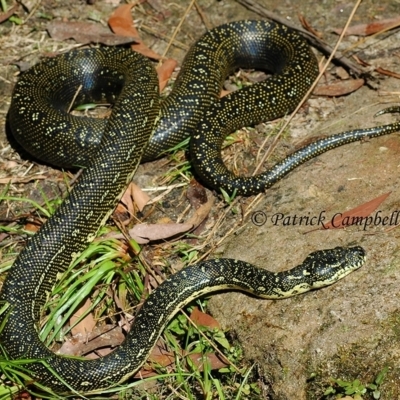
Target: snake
x,y
141,127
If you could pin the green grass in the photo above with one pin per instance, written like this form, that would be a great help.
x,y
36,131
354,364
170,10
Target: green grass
x,y
111,269
340,388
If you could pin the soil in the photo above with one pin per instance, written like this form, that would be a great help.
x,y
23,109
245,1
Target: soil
x,y
349,330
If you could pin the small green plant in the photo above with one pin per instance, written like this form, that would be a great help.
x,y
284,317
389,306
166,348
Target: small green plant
x,y
185,252
12,18
46,209
228,198
229,140
356,388
180,170
106,271
180,146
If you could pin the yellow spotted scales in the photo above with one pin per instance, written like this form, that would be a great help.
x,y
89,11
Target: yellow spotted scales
x,y
110,152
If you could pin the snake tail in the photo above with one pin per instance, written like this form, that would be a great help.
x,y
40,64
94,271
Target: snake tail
x,y
215,174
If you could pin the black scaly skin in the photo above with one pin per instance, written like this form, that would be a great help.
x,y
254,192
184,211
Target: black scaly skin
x,y
248,44
39,106
215,174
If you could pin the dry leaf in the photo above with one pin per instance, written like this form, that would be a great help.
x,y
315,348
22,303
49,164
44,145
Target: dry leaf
x,y
339,88
144,233
371,28
213,360
125,206
225,93
203,319
378,69
133,194
3,236
387,72
165,71
139,197
86,32
8,13
306,25
87,324
121,23
201,213
31,227
106,336
167,359
157,356
362,211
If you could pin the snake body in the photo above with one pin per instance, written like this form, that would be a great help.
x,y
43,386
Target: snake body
x,y
248,44
39,106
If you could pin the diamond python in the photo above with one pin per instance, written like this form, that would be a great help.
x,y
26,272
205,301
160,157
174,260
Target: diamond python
x,y
110,152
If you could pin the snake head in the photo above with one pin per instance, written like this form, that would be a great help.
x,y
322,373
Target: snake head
x,y
328,266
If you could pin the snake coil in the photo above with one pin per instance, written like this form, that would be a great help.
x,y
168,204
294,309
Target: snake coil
x,y
110,152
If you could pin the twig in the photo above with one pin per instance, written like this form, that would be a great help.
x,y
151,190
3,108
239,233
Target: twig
x,y
203,16
74,98
189,7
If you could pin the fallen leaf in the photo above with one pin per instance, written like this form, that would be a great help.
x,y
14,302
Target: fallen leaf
x,y
164,358
133,195
86,32
344,220
306,25
339,87
387,72
371,28
201,213
23,395
342,73
3,236
121,23
213,360
31,227
377,69
140,197
8,13
164,72
144,233
158,356
203,319
225,93
87,324
125,209
107,336
164,220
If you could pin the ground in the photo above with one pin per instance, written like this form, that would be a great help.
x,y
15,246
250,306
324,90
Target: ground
x,y
349,330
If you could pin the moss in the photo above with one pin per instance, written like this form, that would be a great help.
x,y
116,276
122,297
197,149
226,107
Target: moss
x,y
363,362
